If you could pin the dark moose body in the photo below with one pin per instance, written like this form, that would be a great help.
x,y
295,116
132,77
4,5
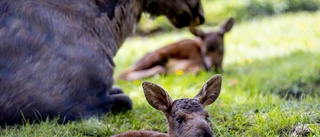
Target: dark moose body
x,y
56,56
51,64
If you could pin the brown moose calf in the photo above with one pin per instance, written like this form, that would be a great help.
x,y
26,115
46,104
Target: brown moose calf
x,y
186,117
191,55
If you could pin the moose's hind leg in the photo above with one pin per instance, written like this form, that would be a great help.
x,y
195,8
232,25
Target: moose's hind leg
x,y
116,90
121,101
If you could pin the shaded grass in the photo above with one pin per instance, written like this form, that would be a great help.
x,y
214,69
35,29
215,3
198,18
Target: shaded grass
x,y
264,59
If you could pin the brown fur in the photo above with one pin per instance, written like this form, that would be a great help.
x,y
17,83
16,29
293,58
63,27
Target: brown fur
x,y
186,117
56,55
191,55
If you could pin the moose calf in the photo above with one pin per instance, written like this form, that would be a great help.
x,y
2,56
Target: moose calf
x,y
186,117
191,55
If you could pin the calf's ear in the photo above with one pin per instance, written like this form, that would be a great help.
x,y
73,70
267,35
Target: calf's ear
x,y
227,26
210,90
156,96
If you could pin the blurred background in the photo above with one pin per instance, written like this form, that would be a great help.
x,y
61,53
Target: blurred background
x,y
216,11
266,31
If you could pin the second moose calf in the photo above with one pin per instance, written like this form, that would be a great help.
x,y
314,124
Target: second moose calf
x,y
185,117
191,55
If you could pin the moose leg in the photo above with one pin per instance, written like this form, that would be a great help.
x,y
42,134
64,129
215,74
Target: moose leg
x,y
185,65
133,75
120,100
114,100
115,90
151,60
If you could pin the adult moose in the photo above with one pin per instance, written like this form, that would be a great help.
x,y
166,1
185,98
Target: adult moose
x,y
56,55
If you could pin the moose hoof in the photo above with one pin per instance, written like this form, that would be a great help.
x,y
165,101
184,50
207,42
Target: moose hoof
x,y
122,102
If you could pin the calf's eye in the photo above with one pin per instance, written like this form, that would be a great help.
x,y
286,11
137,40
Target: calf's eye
x,y
179,120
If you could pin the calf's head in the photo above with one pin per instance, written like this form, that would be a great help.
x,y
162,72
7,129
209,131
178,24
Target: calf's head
x,y
186,117
212,48
181,13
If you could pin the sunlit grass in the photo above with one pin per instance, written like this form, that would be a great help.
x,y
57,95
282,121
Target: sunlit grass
x,y
265,58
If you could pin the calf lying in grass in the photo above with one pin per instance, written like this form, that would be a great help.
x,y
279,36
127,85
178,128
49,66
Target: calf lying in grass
x,y
186,117
191,55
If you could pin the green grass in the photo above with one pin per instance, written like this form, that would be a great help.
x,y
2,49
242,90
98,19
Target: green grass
x,y
268,61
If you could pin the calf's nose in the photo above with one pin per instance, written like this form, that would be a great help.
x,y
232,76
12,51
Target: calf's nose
x,y
205,132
